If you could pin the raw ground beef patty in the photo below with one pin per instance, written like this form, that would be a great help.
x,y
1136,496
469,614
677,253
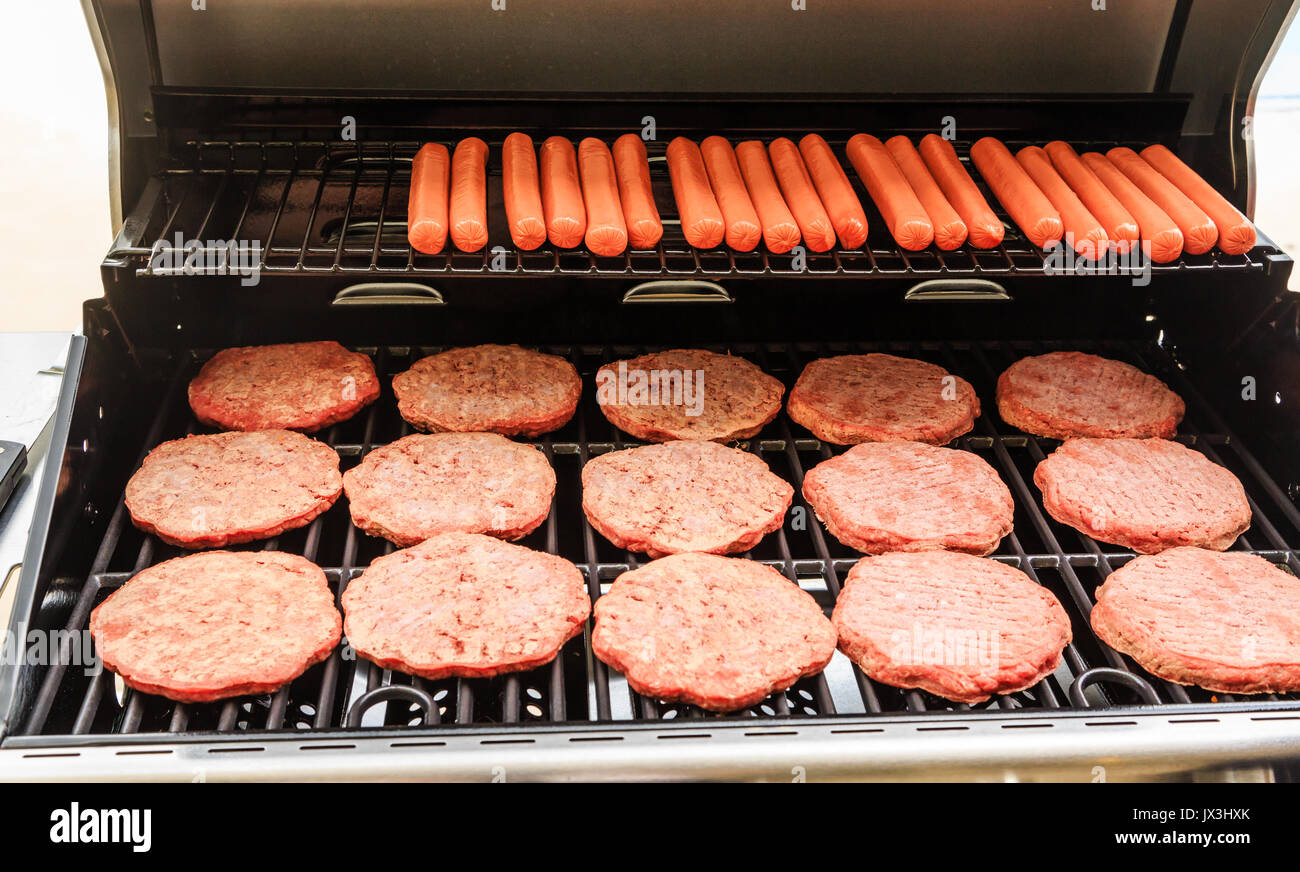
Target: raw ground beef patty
x,y
1225,621
219,624
465,605
719,632
1144,494
961,627
882,398
426,484
1069,393
683,496
908,496
687,394
210,491
489,389
300,386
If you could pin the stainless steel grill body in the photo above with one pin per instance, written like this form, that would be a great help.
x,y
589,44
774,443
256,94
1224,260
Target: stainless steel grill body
x,y
240,138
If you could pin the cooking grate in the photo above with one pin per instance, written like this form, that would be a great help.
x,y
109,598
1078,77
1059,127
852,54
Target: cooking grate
x,y
318,207
577,687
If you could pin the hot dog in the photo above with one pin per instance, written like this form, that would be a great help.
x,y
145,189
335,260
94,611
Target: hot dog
x,y
949,230
1236,233
801,195
743,230
1118,223
1081,226
467,206
1199,232
523,196
1159,236
835,190
1017,193
606,233
644,229
702,222
780,230
426,207
566,217
904,215
982,223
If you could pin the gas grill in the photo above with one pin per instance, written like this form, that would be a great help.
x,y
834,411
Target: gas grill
x,y
259,158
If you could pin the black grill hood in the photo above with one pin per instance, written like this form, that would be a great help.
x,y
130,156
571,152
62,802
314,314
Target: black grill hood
x,y
1209,52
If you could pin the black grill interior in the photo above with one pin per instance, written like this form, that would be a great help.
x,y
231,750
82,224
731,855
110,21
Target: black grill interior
x,y
577,687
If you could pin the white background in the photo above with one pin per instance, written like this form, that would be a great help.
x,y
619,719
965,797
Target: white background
x,y
54,221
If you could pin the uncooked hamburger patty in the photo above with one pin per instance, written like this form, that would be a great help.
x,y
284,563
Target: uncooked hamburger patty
x,y
1144,494
1228,622
882,398
466,605
683,496
719,632
219,624
687,394
908,496
426,484
210,491
959,626
1068,393
300,386
489,389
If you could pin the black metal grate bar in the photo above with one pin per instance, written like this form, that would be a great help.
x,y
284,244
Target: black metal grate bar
x,y
577,687
346,205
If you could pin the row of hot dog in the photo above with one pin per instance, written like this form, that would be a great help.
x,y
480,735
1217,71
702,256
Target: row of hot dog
x,y
1120,197
782,194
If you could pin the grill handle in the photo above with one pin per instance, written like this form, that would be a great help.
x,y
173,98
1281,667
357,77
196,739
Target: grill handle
x,y
677,291
1116,676
388,294
956,289
387,693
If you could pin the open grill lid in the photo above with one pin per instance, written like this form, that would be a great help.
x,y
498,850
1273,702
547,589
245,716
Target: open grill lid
x,y
233,125
1213,53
